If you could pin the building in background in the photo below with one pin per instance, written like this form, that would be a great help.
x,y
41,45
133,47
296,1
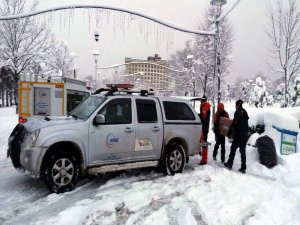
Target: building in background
x,y
150,73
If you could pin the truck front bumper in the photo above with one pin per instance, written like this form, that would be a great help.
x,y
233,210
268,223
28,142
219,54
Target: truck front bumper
x,y
31,161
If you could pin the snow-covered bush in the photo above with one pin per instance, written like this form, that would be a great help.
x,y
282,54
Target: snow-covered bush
x,y
259,94
295,92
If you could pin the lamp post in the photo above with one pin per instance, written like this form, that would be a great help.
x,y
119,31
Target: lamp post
x,y
96,56
216,45
219,18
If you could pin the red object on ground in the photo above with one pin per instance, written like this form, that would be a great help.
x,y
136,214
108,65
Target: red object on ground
x,y
122,86
204,150
204,155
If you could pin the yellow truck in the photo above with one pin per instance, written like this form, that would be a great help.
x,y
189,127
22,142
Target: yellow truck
x,y
51,97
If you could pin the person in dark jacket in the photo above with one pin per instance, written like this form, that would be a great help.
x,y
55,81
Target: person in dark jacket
x,y
240,128
220,139
205,117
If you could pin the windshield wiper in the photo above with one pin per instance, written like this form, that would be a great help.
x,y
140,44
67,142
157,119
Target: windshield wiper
x,y
74,116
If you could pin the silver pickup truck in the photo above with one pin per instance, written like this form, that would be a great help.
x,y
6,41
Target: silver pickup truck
x,y
111,130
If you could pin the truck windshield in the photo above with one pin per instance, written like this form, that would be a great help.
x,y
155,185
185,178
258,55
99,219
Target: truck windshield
x,y
86,108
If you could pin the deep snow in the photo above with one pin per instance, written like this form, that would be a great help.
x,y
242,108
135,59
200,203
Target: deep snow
x,y
207,194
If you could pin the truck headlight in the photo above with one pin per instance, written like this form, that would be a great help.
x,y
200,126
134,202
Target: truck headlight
x,y
30,139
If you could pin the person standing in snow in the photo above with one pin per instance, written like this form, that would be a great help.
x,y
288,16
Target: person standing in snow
x,y
240,128
220,139
205,117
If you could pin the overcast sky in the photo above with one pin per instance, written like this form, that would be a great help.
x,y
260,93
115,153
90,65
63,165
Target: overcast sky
x,y
139,38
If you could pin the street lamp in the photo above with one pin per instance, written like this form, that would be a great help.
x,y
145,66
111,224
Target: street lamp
x,y
96,34
218,2
96,54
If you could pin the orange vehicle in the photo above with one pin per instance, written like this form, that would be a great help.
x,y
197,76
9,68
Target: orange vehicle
x,y
51,97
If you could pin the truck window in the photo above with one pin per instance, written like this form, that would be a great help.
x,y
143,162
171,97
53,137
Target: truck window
x,y
117,111
146,111
74,98
178,111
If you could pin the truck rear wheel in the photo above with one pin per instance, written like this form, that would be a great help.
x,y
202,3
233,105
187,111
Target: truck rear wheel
x,y
174,160
62,172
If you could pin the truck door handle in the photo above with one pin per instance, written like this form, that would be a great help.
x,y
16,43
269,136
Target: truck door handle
x,y
128,130
155,129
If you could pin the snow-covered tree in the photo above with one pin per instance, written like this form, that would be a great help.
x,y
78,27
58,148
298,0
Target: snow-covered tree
x,y
6,87
57,59
90,82
295,92
259,94
201,66
284,33
179,61
21,39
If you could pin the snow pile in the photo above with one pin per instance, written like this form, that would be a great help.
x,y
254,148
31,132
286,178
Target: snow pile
x,y
8,122
282,118
207,194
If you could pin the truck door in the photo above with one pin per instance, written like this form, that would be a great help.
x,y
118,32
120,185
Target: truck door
x,y
114,140
149,129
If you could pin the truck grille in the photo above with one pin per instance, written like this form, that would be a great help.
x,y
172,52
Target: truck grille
x,y
14,144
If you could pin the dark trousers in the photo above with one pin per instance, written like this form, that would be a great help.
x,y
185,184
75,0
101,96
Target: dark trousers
x,y
205,136
220,140
239,141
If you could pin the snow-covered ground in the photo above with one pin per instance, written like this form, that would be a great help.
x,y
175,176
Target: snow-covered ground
x,y
207,194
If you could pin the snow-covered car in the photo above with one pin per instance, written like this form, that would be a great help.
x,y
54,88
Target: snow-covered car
x,y
112,130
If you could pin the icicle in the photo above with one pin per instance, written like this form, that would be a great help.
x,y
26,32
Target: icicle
x,y
123,25
65,18
97,18
89,15
83,16
140,26
107,16
128,19
70,18
114,24
60,20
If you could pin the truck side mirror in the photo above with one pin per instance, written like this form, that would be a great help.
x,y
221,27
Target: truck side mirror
x,y
99,119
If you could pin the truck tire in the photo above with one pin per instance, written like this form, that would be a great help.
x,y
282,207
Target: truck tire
x,y
62,172
174,160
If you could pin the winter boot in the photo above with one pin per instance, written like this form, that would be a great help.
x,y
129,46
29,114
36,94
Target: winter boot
x,y
227,165
242,170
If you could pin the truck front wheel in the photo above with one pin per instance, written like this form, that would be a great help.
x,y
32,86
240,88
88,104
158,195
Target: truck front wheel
x,y
62,172
174,160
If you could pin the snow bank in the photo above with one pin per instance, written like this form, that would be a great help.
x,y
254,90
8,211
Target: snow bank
x,y
282,118
207,194
8,123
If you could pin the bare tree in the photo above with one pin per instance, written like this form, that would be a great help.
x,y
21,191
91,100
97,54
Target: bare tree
x,y
22,39
284,33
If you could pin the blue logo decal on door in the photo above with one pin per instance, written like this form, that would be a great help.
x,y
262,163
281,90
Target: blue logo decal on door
x,y
111,140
